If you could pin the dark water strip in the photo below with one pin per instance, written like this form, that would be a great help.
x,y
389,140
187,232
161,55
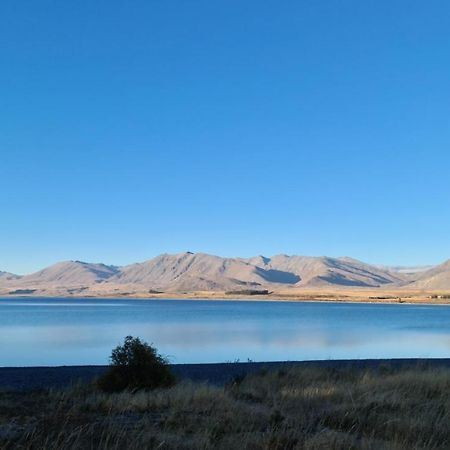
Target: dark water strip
x,y
31,378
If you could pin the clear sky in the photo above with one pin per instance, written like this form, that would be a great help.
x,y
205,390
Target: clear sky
x,y
128,129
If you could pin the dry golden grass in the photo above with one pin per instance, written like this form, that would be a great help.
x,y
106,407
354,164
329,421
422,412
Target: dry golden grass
x,y
292,408
337,294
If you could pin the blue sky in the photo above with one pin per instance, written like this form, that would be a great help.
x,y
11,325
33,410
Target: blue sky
x,y
129,129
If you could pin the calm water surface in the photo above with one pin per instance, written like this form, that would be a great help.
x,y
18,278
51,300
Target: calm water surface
x,y
68,331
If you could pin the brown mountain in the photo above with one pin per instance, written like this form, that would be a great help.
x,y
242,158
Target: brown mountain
x,y
202,272
7,276
324,271
199,271
189,271
68,273
436,278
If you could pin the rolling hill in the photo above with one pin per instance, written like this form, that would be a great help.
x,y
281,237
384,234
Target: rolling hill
x,y
325,271
436,278
68,274
7,276
202,272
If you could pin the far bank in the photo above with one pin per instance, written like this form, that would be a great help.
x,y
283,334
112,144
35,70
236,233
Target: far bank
x,y
353,295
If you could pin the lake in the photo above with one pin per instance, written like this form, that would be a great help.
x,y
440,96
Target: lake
x,y
43,331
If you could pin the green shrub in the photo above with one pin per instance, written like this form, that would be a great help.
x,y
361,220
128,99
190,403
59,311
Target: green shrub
x,y
136,365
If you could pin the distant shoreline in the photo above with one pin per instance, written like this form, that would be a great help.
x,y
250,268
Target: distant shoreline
x,y
364,296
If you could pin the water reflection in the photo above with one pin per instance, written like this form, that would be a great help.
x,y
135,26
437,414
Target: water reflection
x,y
59,332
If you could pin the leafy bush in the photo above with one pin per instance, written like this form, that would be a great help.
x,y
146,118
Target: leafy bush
x,y
136,365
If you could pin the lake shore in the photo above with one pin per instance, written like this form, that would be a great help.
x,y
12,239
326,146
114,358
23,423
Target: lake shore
x,y
322,295
31,378
335,405
353,295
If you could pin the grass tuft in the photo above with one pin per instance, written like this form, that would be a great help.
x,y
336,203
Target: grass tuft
x,y
293,408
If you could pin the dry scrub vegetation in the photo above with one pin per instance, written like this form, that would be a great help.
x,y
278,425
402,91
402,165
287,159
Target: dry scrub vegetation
x,y
290,408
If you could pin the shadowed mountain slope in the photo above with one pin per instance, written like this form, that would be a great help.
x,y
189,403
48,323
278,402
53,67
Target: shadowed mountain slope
x,y
199,271
188,271
324,271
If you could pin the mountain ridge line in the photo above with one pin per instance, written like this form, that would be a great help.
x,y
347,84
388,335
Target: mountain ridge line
x,y
190,272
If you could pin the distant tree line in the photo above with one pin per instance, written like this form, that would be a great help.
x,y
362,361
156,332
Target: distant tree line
x,y
248,292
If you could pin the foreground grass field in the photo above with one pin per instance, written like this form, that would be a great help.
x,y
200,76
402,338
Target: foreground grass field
x,y
291,408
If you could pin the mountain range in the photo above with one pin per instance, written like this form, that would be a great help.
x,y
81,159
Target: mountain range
x,y
190,272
